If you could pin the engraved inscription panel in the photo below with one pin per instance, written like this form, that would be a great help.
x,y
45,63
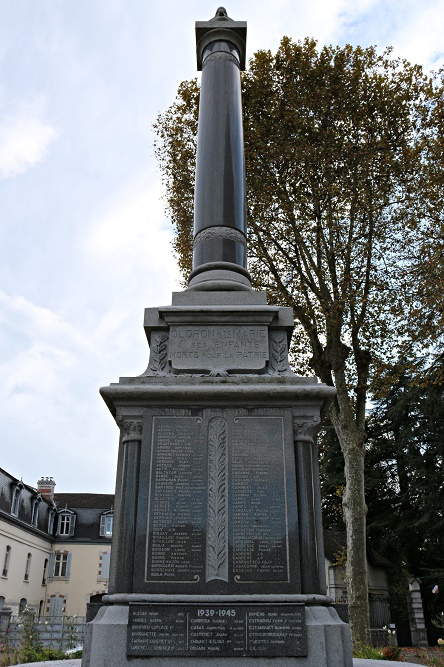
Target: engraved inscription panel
x,y
259,500
218,347
177,501
217,630
217,509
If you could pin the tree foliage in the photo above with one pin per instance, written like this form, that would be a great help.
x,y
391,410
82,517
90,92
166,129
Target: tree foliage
x,y
404,480
405,476
344,162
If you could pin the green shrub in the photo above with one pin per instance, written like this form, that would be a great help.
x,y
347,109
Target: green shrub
x,y
369,653
391,653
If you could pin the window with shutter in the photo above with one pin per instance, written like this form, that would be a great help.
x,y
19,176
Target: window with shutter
x,y
66,524
104,561
51,565
106,524
27,566
15,503
56,605
51,515
35,510
6,561
60,564
45,572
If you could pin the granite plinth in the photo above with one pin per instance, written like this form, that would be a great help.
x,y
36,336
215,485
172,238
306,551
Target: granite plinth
x,y
328,644
357,662
214,630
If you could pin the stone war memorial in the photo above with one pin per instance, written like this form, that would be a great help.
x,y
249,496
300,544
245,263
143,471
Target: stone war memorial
x,y
217,549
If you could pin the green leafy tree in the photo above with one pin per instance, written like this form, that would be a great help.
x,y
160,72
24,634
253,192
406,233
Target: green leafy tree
x,y
337,146
405,476
404,481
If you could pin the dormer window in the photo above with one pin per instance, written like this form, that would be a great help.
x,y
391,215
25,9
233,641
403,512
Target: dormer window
x,y
51,515
35,510
66,523
16,493
106,524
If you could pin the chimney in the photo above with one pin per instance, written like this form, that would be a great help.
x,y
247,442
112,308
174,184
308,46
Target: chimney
x,y
45,487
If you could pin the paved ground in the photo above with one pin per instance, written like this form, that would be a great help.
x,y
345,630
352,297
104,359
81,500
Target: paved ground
x,y
54,663
357,662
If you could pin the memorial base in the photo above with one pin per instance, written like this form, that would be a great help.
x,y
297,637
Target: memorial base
x,y
328,644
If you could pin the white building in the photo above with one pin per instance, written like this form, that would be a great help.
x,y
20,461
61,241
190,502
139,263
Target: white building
x,y
54,548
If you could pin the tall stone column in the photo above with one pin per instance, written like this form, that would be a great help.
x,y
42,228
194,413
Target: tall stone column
x,y
220,227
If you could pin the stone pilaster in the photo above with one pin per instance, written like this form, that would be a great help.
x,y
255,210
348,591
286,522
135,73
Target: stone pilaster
x,y
124,530
306,423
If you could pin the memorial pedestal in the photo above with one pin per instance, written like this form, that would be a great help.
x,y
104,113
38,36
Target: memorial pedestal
x,y
217,550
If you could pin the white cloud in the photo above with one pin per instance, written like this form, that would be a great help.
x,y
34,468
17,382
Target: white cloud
x,y
39,348
128,255
130,240
24,138
419,36
51,415
38,323
132,223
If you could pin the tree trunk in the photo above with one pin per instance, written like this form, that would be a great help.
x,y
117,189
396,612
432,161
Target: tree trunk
x,y
354,510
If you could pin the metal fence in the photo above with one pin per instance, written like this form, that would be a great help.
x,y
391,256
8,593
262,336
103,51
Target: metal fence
x,y
379,611
63,632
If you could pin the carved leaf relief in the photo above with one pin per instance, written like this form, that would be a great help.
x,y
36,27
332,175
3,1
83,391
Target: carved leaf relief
x,y
278,363
131,429
306,427
217,538
158,354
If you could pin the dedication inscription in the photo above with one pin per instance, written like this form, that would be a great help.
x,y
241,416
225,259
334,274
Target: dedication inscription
x,y
231,347
217,630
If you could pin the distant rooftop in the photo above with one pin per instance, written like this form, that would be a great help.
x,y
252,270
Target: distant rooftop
x,y
84,500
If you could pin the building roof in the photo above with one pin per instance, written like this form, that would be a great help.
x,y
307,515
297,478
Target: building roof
x,y
335,541
102,501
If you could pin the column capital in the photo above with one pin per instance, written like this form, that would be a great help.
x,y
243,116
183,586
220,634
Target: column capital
x,y
130,427
305,425
221,28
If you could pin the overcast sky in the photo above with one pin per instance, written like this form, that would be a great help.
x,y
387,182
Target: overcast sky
x,y
84,243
